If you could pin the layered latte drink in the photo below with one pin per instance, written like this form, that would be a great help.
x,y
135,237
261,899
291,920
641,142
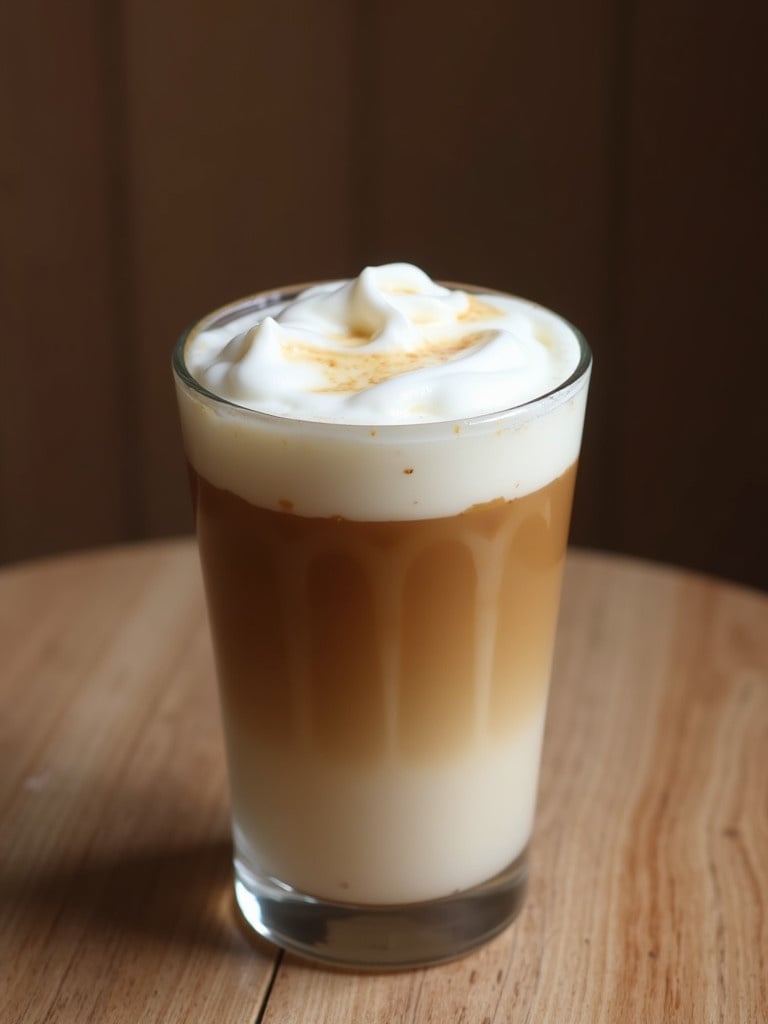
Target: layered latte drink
x,y
382,472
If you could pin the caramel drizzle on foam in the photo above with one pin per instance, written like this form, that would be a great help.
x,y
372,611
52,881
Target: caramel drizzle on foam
x,y
349,369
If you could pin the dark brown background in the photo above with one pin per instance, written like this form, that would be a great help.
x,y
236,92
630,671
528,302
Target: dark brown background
x,y
606,159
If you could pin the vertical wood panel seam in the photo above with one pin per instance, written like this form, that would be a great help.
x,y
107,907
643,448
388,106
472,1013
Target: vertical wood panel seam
x,y
363,128
6,202
126,381
614,379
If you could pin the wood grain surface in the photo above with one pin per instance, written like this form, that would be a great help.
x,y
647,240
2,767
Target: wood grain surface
x,y
649,886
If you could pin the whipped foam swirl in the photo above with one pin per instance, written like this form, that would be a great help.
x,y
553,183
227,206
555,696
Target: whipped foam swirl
x,y
390,346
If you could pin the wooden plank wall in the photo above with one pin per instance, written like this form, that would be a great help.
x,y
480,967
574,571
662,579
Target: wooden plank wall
x,y
606,159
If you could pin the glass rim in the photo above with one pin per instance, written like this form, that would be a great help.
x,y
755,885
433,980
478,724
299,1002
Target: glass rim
x,y
223,315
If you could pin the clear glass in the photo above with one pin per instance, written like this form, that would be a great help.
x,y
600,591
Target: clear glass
x,y
383,677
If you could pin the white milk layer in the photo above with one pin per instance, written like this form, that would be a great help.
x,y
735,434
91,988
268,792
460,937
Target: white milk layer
x,y
385,398
395,833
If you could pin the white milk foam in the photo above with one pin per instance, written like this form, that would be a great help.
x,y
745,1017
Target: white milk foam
x,y
382,398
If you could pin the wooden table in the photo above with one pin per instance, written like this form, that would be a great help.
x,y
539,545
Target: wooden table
x,y
649,892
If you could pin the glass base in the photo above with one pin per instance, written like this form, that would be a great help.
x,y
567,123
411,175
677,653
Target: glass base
x,y
384,937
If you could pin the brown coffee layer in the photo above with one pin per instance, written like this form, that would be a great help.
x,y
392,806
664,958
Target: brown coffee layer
x,y
362,640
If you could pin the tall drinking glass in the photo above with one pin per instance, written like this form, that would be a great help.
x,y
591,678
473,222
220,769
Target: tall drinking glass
x,y
382,601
